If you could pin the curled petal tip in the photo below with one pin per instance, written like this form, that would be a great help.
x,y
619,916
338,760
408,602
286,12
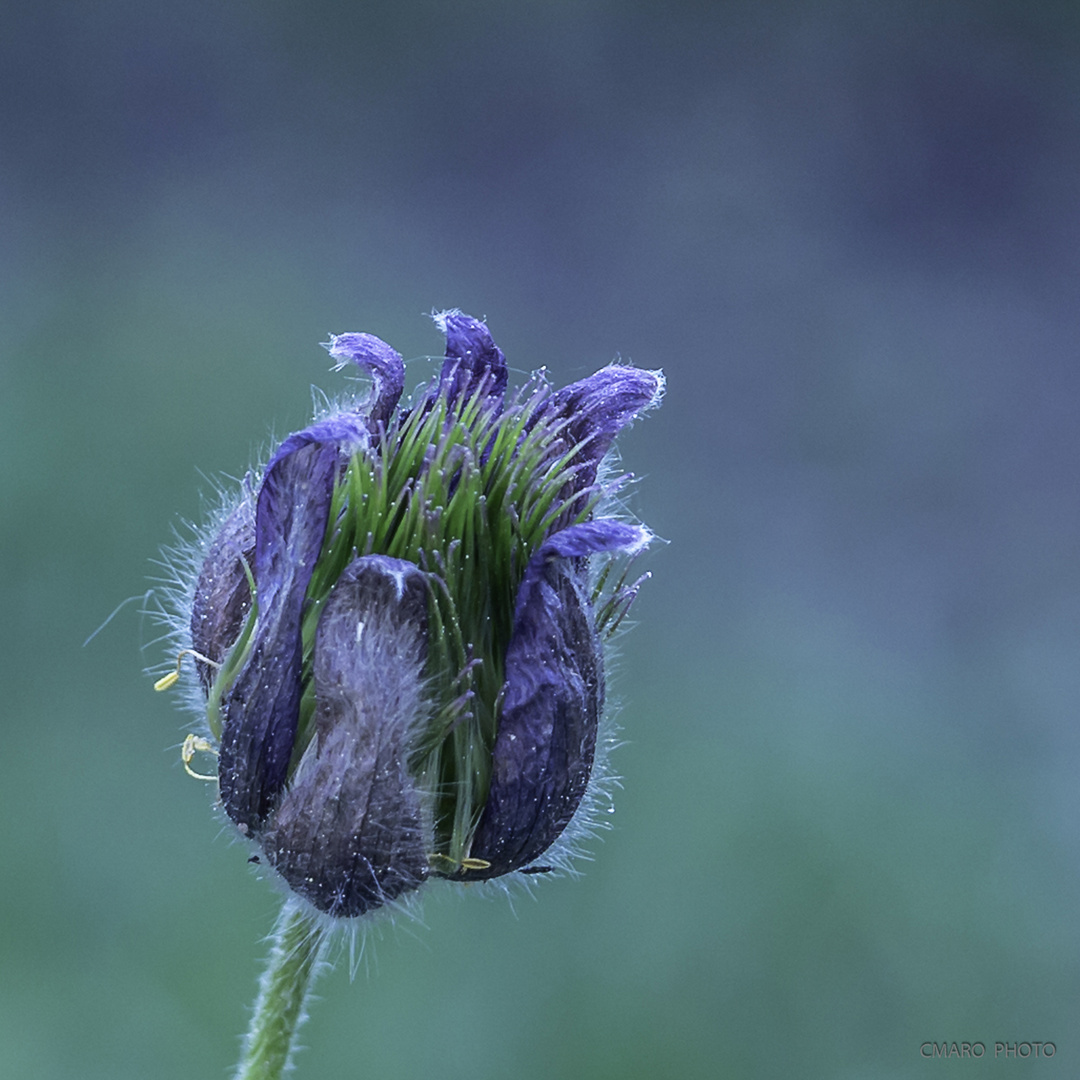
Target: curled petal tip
x,y
377,359
454,320
472,357
364,350
638,544
600,534
659,384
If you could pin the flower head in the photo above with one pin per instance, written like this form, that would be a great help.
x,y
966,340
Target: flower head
x,y
398,629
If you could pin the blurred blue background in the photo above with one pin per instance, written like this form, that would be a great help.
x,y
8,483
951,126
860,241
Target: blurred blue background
x,y
849,233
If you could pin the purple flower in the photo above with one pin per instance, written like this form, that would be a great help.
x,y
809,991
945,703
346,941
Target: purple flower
x,y
399,628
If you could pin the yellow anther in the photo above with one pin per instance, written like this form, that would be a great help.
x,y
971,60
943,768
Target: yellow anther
x,y
437,858
167,680
475,864
170,680
195,744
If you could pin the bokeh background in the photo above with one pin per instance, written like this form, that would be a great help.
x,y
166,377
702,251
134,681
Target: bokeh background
x,y
850,233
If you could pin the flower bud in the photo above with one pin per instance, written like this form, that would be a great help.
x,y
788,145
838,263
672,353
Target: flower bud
x,y
399,628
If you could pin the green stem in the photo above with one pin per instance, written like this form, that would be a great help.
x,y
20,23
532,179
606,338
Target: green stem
x,y
279,1010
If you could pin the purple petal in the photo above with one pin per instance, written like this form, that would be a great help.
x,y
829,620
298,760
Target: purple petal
x,y
348,834
222,594
380,361
596,409
577,542
349,430
262,706
473,361
552,700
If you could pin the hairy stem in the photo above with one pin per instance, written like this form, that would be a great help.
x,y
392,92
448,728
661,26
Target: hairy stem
x,y
279,1010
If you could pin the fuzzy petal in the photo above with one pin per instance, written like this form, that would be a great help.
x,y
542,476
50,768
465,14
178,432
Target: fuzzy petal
x,y
382,362
348,430
594,411
552,700
222,595
472,361
261,708
348,834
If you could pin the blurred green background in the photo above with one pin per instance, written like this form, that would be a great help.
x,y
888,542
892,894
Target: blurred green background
x,y
849,233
